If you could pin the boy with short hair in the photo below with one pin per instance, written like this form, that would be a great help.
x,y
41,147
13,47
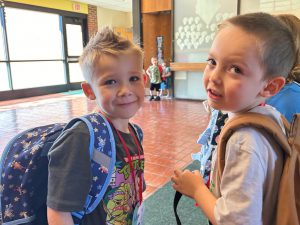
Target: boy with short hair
x,y
166,83
154,74
248,62
112,67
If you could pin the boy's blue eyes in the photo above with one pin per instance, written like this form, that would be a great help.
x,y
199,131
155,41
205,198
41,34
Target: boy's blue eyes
x,y
111,82
134,78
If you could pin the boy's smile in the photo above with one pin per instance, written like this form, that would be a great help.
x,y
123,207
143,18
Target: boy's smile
x,y
118,88
213,94
234,75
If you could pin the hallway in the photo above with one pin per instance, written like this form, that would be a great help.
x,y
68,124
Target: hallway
x,y
171,128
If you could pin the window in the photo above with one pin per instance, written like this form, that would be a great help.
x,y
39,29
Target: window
x,y
4,82
39,48
37,74
35,48
74,39
33,35
75,48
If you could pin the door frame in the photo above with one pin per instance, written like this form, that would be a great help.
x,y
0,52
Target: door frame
x,y
65,16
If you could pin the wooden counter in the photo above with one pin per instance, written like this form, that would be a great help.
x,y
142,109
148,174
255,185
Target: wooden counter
x,y
175,66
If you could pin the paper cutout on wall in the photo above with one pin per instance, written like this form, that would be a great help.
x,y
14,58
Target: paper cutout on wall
x,y
198,30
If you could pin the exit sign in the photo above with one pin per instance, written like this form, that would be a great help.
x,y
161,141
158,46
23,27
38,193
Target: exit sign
x,y
76,7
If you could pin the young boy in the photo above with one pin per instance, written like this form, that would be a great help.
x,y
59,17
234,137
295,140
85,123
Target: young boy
x,y
112,67
247,63
166,84
154,74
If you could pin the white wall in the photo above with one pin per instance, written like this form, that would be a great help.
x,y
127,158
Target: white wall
x,y
113,18
273,7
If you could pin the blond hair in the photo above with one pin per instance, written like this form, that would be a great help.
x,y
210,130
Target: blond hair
x,y
105,43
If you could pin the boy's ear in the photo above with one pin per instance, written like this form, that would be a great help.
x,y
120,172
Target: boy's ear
x,y
273,86
88,91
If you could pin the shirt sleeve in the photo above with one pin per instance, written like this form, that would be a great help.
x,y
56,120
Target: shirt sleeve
x,y
241,187
69,176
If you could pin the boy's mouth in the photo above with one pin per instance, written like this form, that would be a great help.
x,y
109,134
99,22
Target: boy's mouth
x,y
213,94
126,103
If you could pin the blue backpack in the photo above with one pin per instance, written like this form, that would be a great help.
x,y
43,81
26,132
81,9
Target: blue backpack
x,y
24,170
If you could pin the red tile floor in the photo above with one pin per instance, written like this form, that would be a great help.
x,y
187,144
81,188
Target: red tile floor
x,y
171,128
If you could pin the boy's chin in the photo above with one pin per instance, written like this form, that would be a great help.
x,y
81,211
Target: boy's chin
x,y
213,105
127,115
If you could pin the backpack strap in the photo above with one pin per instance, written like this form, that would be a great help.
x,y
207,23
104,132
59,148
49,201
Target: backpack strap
x,y
250,119
102,151
139,132
103,155
288,206
176,200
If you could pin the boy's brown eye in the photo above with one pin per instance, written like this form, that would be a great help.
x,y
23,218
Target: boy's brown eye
x,y
211,62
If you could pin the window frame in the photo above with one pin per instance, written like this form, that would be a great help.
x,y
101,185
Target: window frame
x,y
29,92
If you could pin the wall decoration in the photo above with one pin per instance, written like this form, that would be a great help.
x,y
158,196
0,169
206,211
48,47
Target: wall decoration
x,y
197,30
160,49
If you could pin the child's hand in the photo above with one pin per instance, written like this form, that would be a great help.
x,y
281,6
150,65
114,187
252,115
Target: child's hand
x,y
187,182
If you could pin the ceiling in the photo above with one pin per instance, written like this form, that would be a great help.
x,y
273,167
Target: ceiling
x,y
121,5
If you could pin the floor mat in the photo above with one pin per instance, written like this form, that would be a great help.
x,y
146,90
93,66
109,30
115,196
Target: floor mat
x,y
159,207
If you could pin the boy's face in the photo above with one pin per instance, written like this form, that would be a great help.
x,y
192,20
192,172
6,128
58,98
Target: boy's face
x,y
154,61
234,75
117,86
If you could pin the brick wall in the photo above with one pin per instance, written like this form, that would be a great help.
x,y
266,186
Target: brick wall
x,y
92,20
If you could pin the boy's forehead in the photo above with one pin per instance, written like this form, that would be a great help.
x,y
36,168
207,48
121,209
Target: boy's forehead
x,y
107,62
234,40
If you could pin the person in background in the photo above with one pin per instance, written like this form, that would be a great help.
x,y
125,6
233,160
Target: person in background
x,y
287,101
248,62
112,68
167,79
154,74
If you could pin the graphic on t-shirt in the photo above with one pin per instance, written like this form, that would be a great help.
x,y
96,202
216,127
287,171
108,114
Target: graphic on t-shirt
x,y
118,205
120,200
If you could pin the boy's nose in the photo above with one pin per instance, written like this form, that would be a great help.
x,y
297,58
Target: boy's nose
x,y
124,90
215,76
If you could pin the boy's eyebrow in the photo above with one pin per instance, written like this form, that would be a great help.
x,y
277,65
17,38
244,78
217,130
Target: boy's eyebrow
x,y
235,57
136,70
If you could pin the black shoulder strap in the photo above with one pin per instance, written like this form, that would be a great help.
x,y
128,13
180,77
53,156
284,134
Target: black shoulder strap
x,y
177,197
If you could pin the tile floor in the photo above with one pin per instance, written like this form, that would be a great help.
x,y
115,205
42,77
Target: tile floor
x,y
171,128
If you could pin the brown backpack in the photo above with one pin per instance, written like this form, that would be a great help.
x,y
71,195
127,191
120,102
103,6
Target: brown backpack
x,y
288,204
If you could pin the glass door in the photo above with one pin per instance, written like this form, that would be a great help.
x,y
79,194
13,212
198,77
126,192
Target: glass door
x,y
39,50
75,40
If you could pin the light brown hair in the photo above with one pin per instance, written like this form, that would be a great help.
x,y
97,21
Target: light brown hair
x,y
275,41
105,42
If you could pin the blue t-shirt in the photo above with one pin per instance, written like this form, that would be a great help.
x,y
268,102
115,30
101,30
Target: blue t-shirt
x,y
287,101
